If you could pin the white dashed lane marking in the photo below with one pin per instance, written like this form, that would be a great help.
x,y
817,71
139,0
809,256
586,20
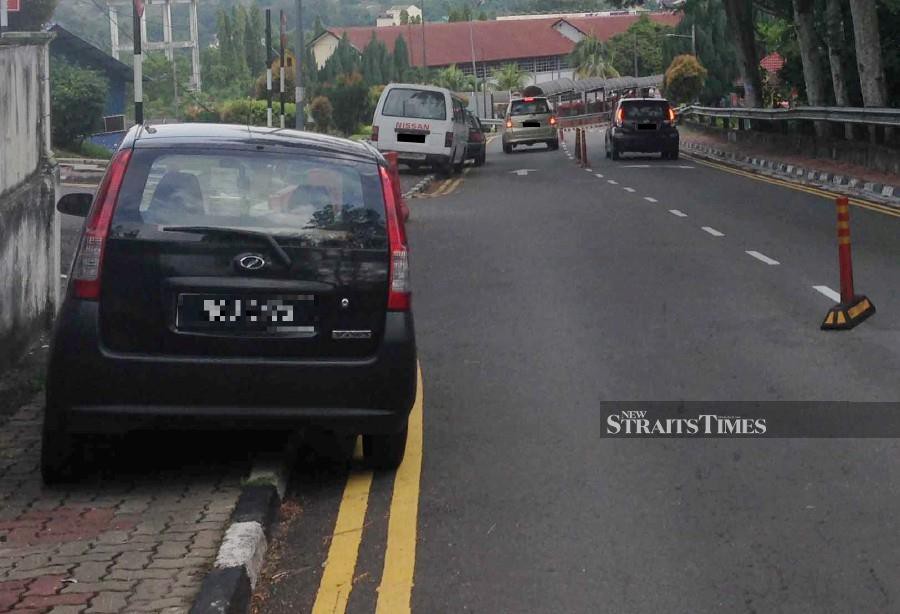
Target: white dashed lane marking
x,y
713,231
628,189
650,199
763,258
612,181
677,213
835,296
598,175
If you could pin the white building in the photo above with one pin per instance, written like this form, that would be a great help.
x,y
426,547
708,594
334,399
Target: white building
x,y
391,17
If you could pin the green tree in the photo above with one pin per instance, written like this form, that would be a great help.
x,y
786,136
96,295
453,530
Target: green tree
x,y
77,100
684,79
348,95
509,77
373,61
590,59
645,39
164,84
254,40
401,59
404,17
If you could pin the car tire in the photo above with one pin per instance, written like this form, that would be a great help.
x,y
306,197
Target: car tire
x,y
385,451
458,167
674,155
61,455
614,154
553,145
507,148
479,159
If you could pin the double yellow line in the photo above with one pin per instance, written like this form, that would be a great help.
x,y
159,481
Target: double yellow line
x,y
865,204
395,590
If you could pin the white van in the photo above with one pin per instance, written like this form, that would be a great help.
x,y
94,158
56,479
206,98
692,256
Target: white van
x,y
425,125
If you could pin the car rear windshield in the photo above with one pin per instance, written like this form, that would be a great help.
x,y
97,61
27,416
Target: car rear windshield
x,y
526,107
645,109
419,104
314,201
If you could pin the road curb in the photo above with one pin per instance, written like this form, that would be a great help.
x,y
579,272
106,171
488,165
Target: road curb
x,y
228,587
423,183
881,193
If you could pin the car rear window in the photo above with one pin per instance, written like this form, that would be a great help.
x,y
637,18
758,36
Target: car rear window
x,y
419,104
645,109
318,201
526,107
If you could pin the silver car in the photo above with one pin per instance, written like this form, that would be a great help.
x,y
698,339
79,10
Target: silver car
x,y
529,120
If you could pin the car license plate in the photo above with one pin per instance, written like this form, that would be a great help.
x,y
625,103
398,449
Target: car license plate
x,y
280,315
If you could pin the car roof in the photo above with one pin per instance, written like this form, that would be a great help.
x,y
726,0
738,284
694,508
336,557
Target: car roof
x,y
528,97
643,99
418,86
161,135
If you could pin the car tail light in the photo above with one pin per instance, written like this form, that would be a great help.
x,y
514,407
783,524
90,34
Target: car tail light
x,y
375,134
620,116
529,99
509,123
399,295
89,260
448,139
552,121
670,115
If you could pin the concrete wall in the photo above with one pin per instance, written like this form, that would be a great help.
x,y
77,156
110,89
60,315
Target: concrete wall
x,y
29,228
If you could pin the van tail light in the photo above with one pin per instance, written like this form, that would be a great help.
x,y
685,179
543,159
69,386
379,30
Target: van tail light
x,y
448,139
509,123
89,260
375,133
552,121
399,294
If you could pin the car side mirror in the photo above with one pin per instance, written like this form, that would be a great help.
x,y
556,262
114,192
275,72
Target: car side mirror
x,y
77,203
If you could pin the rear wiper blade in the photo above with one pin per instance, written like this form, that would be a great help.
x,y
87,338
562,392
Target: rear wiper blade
x,y
279,251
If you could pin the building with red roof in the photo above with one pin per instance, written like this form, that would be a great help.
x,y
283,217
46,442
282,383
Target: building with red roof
x,y
539,46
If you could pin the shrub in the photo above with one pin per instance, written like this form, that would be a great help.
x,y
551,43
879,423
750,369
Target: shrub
x,y
321,112
253,112
684,79
77,100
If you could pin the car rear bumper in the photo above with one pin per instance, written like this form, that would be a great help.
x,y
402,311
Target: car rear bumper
x,y
528,136
91,389
646,142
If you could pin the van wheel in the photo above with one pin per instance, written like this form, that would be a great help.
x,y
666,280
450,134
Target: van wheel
x,y
61,455
385,451
444,169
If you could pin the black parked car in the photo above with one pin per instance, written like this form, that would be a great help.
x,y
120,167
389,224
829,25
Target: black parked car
x,y
237,277
476,149
642,125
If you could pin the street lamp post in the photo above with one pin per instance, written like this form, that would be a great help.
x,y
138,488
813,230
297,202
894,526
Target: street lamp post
x,y
692,36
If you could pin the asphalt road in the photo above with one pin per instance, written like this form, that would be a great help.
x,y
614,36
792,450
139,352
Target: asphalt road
x,y
539,296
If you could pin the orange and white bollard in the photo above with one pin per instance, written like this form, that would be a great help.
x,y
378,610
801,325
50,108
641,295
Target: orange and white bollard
x,y
853,308
584,156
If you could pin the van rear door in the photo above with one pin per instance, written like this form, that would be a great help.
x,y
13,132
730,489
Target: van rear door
x,y
413,122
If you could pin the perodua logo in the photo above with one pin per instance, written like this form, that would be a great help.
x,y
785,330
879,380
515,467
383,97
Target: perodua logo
x,y
251,262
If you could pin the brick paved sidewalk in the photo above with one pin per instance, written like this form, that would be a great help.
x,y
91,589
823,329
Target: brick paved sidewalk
x,y
139,540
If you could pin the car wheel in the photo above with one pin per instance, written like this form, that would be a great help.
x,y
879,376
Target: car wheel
x,y
479,159
61,455
674,155
614,154
385,451
507,148
553,145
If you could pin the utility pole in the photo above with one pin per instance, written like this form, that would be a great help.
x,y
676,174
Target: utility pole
x,y
137,11
694,40
424,55
269,68
474,68
4,16
282,22
635,55
300,55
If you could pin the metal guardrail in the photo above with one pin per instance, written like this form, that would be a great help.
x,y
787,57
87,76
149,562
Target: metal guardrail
x,y
843,115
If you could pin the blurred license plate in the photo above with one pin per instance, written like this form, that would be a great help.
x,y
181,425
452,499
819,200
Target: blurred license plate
x,y
287,314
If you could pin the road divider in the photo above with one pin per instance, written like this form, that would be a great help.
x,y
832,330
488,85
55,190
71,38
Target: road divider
x,y
853,308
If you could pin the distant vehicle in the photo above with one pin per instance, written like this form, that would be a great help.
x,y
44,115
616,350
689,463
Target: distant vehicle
x,y
643,125
476,150
239,278
529,120
425,125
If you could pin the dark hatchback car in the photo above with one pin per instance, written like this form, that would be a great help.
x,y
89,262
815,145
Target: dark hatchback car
x,y
642,125
235,277
476,148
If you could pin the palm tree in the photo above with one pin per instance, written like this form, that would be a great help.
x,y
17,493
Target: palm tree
x,y
455,80
590,59
509,77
